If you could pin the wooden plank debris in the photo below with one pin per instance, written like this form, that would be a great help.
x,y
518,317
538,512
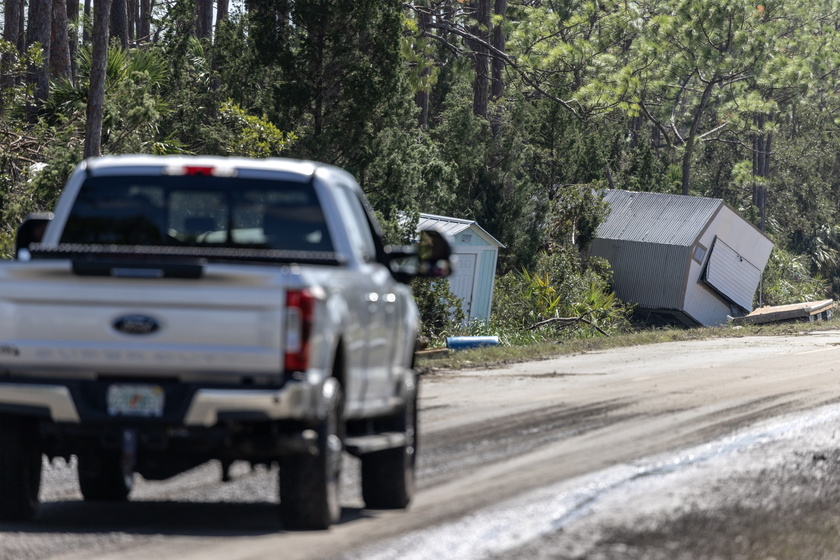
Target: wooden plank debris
x,y
810,310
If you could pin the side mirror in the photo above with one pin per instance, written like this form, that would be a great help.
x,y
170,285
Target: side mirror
x,y
431,257
31,231
435,254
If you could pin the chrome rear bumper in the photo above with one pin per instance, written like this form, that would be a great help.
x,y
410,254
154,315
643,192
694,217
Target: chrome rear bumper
x,y
294,401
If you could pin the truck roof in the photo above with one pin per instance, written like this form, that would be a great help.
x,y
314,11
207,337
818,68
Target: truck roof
x,y
291,166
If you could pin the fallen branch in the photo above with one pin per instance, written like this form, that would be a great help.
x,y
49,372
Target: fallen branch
x,y
567,321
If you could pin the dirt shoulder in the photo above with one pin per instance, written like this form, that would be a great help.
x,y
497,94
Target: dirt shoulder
x,y
438,360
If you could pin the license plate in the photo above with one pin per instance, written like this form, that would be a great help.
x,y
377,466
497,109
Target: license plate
x,y
135,400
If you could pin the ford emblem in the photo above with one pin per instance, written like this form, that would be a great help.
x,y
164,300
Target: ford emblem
x,y
136,324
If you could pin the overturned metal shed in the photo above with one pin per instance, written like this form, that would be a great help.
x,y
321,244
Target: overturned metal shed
x,y
681,259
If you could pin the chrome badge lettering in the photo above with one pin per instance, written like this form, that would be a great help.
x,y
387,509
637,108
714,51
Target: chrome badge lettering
x,y
9,350
136,324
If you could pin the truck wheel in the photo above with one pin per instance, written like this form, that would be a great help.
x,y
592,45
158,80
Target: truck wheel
x,y
102,477
388,476
20,469
309,484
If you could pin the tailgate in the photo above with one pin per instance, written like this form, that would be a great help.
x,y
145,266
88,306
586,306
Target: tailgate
x,y
227,321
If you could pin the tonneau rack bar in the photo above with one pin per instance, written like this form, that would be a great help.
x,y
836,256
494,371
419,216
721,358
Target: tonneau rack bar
x,y
141,256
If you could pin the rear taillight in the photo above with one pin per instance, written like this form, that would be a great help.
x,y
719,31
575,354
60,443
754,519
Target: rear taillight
x,y
300,306
200,170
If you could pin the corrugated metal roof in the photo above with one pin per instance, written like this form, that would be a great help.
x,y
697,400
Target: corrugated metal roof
x,y
656,217
453,226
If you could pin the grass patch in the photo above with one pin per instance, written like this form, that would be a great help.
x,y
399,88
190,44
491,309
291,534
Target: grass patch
x,y
496,356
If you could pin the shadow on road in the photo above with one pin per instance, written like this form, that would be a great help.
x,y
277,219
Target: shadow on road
x,y
160,518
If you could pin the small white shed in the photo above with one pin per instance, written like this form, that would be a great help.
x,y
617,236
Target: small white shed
x,y
477,253
684,259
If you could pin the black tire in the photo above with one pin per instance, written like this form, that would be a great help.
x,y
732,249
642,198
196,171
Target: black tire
x,y
102,477
388,476
309,484
20,469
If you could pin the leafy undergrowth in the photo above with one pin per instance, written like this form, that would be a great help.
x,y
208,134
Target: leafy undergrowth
x,y
495,356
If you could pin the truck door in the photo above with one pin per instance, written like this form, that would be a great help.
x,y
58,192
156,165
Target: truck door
x,y
379,302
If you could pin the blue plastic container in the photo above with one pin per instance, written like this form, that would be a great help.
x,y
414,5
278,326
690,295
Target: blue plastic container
x,y
465,342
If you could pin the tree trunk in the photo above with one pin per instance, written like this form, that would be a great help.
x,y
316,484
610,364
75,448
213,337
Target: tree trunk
x,y
498,84
73,34
119,21
692,137
421,98
319,78
40,30
59,42
85,27
284,16
222,11
31,16
144,32
686,167
96,93
131,20
203,18
633,126
761,169
21,38
481,81
11,33
11,22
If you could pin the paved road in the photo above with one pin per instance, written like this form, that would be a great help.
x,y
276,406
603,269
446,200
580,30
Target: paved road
x,y
488,437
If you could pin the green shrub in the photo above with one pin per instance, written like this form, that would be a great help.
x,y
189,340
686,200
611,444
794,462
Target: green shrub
x,y
787,279
562,286
440,310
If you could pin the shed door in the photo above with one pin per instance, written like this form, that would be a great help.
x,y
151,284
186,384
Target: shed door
x,y
731,275
462,279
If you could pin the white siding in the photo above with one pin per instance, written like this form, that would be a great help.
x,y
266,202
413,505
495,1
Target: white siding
x,y
701,302
732,275
462,280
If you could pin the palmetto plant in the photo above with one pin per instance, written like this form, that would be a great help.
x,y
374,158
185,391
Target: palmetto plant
x,y
540,295
133,107
143,67
556,302
601,306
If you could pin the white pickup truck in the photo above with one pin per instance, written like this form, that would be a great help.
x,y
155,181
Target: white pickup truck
x,y
176,310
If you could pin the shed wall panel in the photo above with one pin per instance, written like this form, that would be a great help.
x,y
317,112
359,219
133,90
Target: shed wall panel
x,y
463,279
705,306
650,275
469,238
732,275
743,237
485,275
701,302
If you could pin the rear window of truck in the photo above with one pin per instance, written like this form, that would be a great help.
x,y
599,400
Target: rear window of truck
x,y
198,211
